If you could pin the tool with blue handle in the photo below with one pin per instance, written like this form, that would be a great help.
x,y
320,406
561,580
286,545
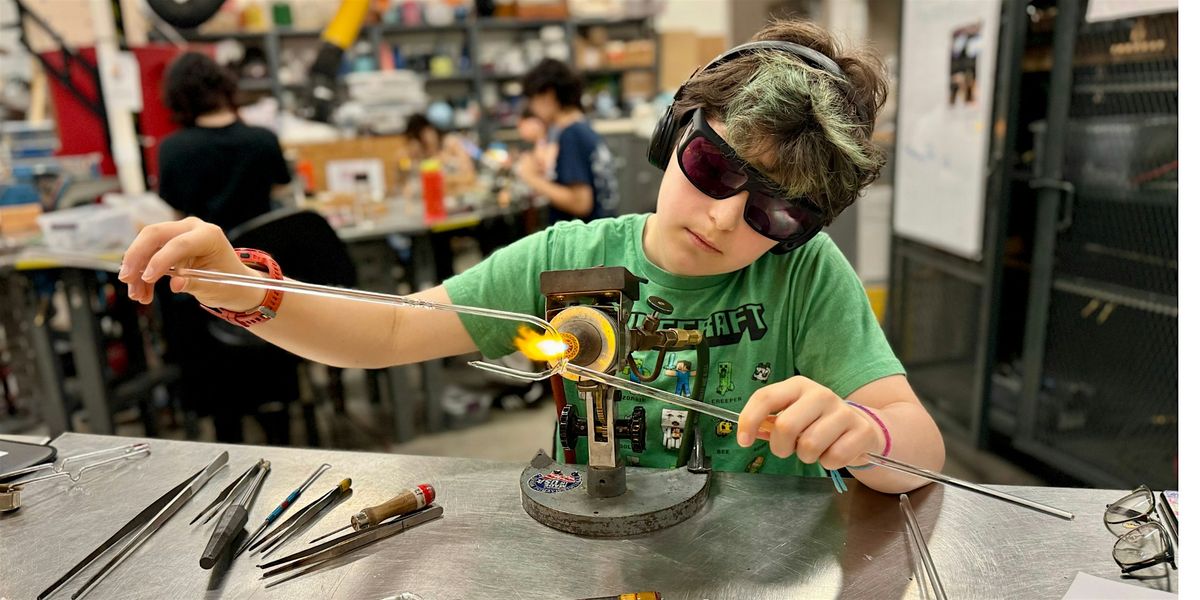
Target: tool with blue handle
x,y
282,507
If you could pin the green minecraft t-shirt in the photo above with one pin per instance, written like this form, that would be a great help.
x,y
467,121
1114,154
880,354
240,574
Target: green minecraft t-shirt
x,y
801,313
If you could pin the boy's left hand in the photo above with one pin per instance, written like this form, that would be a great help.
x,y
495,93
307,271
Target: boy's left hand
x,y
811,422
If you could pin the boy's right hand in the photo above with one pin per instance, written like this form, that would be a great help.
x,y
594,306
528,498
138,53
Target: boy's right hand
x,y
186,243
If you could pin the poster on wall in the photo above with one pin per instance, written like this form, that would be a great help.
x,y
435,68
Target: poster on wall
x,y
947,72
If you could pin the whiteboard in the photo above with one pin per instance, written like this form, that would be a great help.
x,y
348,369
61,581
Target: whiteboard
x,y
947,73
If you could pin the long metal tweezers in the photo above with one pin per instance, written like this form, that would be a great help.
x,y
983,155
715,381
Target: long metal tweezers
x,y
133,524
141,523
228,492
154,525
319,554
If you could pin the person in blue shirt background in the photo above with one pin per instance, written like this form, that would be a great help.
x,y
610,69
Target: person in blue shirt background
x,y
582,182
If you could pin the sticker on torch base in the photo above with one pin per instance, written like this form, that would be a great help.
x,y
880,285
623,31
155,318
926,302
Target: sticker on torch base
x,y
555,482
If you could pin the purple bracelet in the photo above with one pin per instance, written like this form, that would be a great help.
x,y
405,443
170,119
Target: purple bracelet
x,y
887,435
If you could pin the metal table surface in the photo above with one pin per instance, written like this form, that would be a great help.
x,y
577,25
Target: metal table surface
x,y
759,536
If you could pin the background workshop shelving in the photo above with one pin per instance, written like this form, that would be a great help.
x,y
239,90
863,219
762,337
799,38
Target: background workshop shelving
x,y
463,62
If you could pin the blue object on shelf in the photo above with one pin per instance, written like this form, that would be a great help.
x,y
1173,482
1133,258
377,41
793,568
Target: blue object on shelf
x,y
18,193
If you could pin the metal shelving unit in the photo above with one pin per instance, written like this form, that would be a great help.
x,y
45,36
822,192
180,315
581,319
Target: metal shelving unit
x,y
272,43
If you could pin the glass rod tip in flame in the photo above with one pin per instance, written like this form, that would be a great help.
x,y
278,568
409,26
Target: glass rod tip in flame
x,y
540,346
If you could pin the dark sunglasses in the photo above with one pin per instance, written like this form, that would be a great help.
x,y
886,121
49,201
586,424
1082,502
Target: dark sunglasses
x,y
714,168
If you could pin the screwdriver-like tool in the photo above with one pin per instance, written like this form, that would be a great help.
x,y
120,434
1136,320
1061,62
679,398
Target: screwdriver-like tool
x,y
406,502
282,507
233,520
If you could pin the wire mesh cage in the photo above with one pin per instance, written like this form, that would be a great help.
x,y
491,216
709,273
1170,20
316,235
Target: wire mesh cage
x,y
1109,389
1109,398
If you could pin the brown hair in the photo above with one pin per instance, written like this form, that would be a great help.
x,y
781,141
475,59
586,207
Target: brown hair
x,y
195,86
805,128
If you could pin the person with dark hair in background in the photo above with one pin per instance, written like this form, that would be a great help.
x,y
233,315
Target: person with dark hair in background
x,y
582,184
426,140
533,131
223,171
216,168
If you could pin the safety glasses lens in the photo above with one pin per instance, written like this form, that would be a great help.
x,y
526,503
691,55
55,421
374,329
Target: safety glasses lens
x,y
710,170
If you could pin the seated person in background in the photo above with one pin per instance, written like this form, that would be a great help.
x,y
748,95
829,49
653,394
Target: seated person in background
x,y
426,141
582,183
532,131
223,171
216,168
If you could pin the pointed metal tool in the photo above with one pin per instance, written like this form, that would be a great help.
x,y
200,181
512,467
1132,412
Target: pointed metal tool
x,y
233,520
136,522
150,528
282,507
138,529
305,517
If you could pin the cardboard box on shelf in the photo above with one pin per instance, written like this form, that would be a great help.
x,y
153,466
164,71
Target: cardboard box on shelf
x,y
638,53
682,53
637,85
20,220
596,9
588,57
391,151
679,52
542,9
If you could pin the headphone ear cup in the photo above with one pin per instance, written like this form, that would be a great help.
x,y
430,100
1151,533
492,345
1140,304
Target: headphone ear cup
x,y
659,151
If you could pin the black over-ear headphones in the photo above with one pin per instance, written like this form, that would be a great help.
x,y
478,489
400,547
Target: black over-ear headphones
x,y
666,132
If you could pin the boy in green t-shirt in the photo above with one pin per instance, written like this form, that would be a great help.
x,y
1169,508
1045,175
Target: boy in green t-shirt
x,y
760,150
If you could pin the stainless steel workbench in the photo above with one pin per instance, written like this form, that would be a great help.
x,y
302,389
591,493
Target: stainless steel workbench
x,y
760,536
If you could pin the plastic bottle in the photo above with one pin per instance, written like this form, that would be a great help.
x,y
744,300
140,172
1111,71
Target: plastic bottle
x,y
433,189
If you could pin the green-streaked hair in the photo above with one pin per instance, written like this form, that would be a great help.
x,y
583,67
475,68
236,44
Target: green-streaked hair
x,y
806,129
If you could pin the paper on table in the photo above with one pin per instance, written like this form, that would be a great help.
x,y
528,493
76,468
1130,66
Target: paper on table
x,y
1090,587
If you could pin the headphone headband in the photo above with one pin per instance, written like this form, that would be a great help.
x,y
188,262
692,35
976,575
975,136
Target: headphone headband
x,y
810,56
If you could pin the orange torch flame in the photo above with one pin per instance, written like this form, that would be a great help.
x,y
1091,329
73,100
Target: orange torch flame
x,y
545,347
